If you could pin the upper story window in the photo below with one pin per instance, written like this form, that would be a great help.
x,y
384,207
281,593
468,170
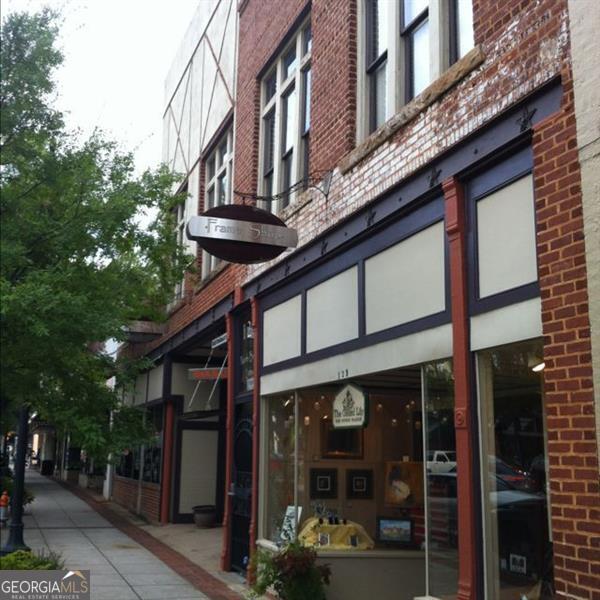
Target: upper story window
x,y
179,217
218,181
285,120
404,46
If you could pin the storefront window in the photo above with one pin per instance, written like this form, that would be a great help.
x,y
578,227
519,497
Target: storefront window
x,y
440,450
355,488
518,552
153,451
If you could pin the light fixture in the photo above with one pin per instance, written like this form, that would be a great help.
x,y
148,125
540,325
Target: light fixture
x,y
394,422
379,407
535,363
307,420
317,405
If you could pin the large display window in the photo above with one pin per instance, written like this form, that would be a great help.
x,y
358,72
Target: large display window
x,y
518,550
366,466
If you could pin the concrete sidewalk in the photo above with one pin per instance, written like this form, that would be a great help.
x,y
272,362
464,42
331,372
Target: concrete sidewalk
x,y
120,567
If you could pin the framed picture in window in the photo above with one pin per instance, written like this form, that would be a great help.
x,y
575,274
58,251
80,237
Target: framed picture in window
x,y
398,532
359,484
403,484
323,484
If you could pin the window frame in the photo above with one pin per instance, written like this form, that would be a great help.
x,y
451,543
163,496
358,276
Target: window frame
x,y
442,16
272,177
216,168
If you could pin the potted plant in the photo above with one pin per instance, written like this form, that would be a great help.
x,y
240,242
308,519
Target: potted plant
x,y
292,572
205,515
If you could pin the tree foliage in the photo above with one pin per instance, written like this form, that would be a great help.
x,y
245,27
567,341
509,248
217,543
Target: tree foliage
x,y
76,263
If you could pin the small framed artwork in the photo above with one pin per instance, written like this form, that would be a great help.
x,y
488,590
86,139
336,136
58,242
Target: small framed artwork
x,y
324,539
359,484
395,531
323,484
340,443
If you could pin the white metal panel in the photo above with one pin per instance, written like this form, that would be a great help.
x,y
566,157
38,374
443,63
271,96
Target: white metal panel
x,y
522,321
140,389
155,383
281,331
198,483
332,311
506,238
431,344
407,281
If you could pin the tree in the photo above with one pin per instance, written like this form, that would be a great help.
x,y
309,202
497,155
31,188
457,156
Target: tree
x,y
76,264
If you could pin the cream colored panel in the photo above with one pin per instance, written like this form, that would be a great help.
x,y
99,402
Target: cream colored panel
x,y
506,238
513,323
139,391
407,281
281,331
431,344
332,311
198,484
191,204
197,99
155,383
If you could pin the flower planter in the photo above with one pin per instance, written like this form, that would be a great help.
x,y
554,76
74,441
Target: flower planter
x,y
205,515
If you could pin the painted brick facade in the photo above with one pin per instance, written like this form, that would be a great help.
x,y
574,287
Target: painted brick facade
x,y
525,45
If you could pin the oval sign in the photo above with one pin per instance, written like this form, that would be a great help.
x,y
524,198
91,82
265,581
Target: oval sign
x,y
241,234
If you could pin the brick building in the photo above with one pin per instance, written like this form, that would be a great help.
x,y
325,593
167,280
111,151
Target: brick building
x,y
439,289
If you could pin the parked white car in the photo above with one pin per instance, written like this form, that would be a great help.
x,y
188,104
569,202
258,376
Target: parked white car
x,y
441,461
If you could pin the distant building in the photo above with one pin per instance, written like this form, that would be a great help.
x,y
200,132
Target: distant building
x,y
437,160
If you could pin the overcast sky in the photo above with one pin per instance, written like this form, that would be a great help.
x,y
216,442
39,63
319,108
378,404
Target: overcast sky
x,y
117,54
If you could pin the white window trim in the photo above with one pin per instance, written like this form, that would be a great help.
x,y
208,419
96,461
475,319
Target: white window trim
x,y
210,262
296,81
439,58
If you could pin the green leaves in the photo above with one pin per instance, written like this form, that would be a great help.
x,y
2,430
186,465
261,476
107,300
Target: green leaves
x,y
76,264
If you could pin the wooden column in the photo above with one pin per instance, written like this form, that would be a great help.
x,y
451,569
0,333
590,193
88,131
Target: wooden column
x,y
226,550
255,423
456,227
167,464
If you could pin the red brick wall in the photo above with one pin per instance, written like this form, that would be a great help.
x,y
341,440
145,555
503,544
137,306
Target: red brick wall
x,y
569,397
333,94
125,493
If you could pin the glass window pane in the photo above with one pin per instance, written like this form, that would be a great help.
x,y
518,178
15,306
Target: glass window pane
x,y
210,168
307,40
222,153
465,26
270,85
378,101
289,122
247,356
412,9
210,197
378,20
440,443
268,185
280,456
287,178
514,464
420,59
269,142
306,102
222,189
289,62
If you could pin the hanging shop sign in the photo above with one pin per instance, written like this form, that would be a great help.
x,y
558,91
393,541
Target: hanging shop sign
x,y
350,408
241,234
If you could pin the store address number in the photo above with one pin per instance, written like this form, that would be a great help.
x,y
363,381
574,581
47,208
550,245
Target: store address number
x,y
342,374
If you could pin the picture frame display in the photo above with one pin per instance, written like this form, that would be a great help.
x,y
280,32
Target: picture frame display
x,y
323,484
403,484
395,531
359,484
